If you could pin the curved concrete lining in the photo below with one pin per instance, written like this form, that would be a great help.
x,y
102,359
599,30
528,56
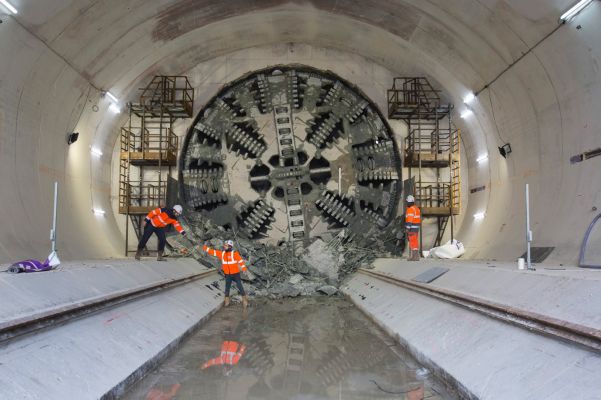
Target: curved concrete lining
x,y
545,105
484,357
102,354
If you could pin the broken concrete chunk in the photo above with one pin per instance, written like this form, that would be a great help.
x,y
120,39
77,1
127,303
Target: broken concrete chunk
x,y
261,271
300,266
216,243
296,278
328,290
248,276
322,260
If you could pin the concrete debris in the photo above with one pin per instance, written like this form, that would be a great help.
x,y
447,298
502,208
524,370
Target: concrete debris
x,y
216,243
328,289
301,267
248,276
322,260
275,271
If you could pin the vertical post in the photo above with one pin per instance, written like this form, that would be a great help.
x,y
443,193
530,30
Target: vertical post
x,y
528,231
451,211
130,136
340,180
127,232
53,230
419,172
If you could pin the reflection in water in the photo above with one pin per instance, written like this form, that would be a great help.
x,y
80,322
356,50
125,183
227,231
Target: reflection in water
x,y
157,394
309,348
231,353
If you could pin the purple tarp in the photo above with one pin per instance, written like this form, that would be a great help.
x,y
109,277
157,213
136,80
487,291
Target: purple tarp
x,y
35,265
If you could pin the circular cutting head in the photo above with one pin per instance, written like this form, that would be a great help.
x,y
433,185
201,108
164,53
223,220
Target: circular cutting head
x,y
290,153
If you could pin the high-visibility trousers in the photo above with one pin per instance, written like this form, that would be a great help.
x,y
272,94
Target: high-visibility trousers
x,y
413,240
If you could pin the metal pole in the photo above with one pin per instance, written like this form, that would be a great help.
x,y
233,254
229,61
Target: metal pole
x,y
528,231
340,180
451,210
53,230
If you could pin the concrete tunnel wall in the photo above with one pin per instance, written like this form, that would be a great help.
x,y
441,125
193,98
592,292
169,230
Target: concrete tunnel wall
x,y
57,57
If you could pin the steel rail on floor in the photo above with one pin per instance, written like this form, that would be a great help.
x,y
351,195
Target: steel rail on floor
x,y
62,314
556,328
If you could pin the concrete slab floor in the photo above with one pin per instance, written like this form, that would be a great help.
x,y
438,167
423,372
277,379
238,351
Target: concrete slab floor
x,y
307,348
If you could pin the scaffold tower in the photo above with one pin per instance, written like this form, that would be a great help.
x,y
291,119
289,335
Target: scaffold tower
x,y
149,148
431,149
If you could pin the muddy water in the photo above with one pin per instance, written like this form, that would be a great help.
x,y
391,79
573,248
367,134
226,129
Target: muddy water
x,y
308,348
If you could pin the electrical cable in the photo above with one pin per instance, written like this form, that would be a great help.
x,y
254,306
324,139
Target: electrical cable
x,y
389,392
518,60
492,109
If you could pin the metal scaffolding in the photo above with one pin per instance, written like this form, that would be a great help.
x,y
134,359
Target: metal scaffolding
x,y
433,143
149,147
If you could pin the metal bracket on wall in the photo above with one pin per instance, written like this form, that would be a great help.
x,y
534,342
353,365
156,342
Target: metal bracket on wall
x,y
581,263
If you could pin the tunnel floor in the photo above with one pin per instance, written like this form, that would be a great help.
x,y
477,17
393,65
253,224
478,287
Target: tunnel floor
x,y
306,348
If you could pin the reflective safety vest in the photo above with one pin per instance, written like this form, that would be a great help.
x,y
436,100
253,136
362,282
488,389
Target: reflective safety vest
x,y
413,218
161,217
231,261
231,353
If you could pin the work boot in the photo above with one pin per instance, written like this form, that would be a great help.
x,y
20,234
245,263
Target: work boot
x,y
410,255
138,254
244,301
416,256
160,256
226,302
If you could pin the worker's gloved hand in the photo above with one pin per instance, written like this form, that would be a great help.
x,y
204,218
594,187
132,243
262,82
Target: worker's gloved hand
x,y
147,219
183,233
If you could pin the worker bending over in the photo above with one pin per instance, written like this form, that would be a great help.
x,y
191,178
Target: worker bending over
x,y
231,263
156,222
413,219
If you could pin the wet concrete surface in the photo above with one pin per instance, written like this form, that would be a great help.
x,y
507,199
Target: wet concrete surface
x,y
306,348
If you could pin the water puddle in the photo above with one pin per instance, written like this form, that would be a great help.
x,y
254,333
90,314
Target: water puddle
x,y
307,348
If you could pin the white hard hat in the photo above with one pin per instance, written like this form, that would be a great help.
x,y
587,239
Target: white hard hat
x,y
410,199
229,243
178,209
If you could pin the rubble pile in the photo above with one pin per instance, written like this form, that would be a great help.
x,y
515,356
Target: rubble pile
x,y
283,270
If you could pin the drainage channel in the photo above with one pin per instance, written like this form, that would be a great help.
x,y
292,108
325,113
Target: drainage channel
x,y
584,336
62,314
304,348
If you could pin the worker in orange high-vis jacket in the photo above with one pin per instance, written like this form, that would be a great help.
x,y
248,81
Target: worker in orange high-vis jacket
x,y
156,222
232,264
231,353
413,220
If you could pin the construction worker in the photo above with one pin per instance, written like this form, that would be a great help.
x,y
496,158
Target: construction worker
x,y
413,219
230,355
156,222
231,263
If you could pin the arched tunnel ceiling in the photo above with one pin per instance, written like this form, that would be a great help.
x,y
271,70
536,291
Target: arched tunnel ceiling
x,y
104,39
460,45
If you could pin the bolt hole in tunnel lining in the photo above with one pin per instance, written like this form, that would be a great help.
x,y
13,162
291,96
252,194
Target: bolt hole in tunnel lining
x,y
280,136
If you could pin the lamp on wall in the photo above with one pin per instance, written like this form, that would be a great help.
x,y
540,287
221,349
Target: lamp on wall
x,y
72,137
9,6
505,150
469,98
114,107
576,8
466,113
96,151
